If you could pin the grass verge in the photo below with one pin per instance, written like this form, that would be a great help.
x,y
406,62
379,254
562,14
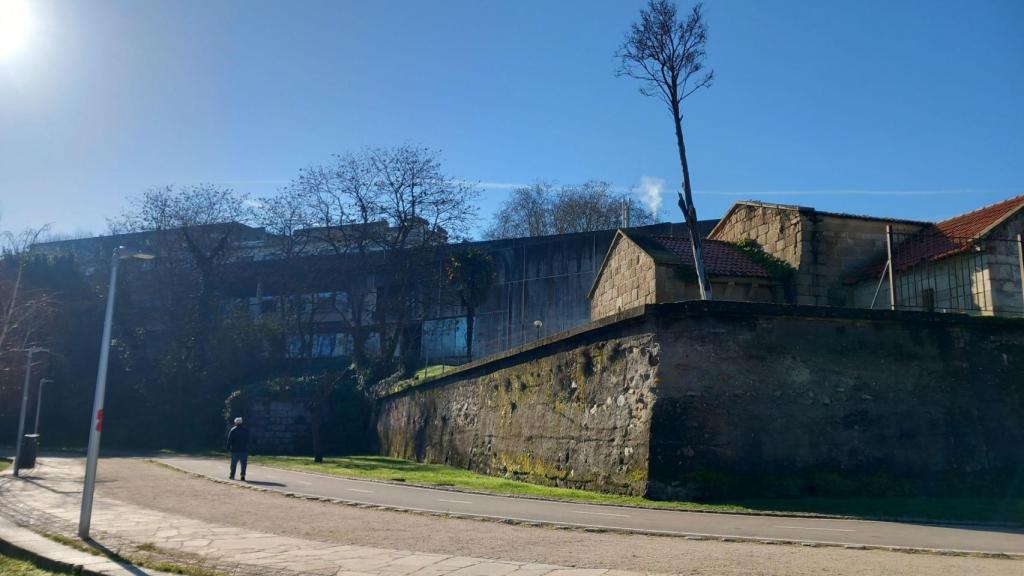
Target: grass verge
x,y
397,470
431,371
5,463
14,567
140,561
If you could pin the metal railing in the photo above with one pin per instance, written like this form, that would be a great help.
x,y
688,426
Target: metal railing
x,y
933,271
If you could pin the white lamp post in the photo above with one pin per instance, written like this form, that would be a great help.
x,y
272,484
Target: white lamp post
x,y
39,401
24,406
93,452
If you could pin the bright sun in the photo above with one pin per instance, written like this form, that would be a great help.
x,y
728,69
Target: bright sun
x,y
14,26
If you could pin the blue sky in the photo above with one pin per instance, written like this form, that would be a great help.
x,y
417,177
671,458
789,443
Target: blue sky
x,y
910,109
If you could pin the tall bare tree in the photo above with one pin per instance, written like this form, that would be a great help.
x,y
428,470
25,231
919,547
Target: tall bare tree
x,y
542,208
667,54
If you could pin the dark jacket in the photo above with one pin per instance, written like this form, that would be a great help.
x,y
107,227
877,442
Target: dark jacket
x,y
238,439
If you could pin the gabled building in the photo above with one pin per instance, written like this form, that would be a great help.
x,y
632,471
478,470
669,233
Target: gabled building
x,y
968,263
971,263
643,269
823,248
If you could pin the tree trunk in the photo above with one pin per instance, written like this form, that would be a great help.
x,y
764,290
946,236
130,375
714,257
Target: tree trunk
x,y
315,422
686,205
470,323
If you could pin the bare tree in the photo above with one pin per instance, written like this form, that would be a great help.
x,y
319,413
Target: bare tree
x,y
471,274
23,309
667,55
594,205
527,212
542,209
383,211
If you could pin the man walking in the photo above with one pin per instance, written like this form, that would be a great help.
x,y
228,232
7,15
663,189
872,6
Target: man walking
x,y
238,445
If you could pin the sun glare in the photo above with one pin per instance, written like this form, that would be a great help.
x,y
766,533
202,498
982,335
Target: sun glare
x,y
15,22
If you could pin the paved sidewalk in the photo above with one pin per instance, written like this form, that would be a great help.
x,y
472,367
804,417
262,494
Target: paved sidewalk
x,y
30,544
47,499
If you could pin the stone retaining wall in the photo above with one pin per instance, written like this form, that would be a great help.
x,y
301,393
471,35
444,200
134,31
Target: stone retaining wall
x,y
702,400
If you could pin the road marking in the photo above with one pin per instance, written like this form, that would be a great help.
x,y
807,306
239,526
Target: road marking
x,y
811,528
363,491
454,501
600,513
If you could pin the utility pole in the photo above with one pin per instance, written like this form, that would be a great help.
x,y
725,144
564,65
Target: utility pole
x,y
24,406
892,270
93,451
39,402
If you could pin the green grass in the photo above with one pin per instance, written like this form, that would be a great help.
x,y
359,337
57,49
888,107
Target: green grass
x,y
140,561
431,371
13,567
5,463
394,469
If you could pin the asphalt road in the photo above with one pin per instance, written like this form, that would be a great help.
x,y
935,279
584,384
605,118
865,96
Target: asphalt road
x,y
669,522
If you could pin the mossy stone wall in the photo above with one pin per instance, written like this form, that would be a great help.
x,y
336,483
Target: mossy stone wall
x,y
726,399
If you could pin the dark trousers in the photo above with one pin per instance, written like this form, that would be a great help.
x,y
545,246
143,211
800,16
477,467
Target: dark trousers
x,y
237,457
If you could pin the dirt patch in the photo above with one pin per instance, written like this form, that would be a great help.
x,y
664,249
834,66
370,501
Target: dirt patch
x,y
152,486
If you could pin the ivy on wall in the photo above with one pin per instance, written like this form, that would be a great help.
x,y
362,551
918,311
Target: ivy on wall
x,y
777,268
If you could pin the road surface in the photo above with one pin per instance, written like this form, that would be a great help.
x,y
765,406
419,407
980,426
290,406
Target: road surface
x,y
668,522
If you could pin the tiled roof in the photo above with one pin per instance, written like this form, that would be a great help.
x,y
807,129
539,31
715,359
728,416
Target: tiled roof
x,y
946,238
720,258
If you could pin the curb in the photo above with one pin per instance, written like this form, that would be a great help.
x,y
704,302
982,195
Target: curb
x,y
596,529
15,551
761,513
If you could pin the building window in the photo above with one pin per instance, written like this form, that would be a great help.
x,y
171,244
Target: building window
x,y
268,305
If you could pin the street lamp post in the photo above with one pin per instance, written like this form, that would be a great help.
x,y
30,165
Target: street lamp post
x,y
39,401
24,406
93,452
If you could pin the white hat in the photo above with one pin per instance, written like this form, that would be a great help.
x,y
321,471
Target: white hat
x,y
238,420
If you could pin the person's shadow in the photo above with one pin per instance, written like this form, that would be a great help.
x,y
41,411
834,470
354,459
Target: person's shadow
x,y
259,483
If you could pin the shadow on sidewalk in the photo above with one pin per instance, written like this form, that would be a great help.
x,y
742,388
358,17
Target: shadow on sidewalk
x,y
261,483
116,557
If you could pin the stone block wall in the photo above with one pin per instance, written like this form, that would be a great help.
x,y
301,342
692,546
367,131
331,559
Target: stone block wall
x,y
822,247
707,399
279,426
783,405
778,229
575,413
1003,259
841,246
626,281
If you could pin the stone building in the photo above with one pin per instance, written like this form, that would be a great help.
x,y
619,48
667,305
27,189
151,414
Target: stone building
x,y
822,247
652,269
970,263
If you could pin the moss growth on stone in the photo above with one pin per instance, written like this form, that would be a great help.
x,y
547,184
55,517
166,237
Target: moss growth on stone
x,y
777,268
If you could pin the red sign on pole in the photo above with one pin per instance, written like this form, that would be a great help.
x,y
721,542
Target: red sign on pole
x,y
99,420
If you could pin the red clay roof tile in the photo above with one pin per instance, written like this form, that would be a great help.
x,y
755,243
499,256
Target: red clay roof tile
x,y
720,258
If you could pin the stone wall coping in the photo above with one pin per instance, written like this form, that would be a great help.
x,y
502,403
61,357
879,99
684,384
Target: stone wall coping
x,y
696,308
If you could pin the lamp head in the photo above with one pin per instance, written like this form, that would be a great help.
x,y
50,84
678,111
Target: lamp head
x,y
123,253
